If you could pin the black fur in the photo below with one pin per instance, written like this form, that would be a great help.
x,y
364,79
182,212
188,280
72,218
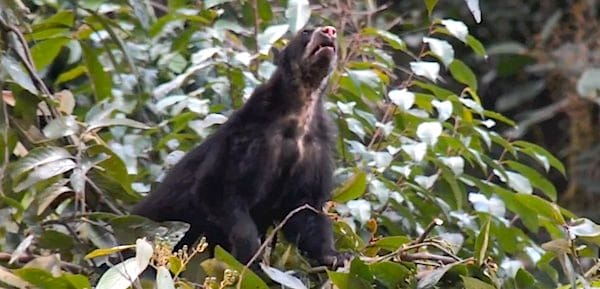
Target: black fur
x,y
272,156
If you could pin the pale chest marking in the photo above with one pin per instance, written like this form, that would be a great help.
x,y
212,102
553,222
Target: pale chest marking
x,y
305,119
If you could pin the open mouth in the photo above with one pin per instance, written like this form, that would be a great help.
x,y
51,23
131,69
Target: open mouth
x,y
323,46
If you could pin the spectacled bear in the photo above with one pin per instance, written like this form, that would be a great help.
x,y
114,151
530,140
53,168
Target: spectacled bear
x,y
272,156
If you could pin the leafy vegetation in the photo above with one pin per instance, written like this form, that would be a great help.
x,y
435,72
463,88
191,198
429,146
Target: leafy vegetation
x,y
100,99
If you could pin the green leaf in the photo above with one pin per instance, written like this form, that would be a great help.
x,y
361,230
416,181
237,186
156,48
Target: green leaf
x,y
455,28
440,92
427,69
483,240
352,188
17,73
542,207
13,280
283,278
558,246
433,277
122,275
47,33
364,76
49,194
46,171
248,278
347,281
441,49
584,228
107,251
112,172
77,281
456,189
496,138
129,228
392,39
391,274
540,154
63,18
524,279
588,84
472,283
44,52
12,203
477,47
101,80
475,10
37,157
430,4
529,217
297,13
535,178
463,74
164,280
51,239
42,279
61,126
346,238
499,117
392,243
518,182
273,33
99,123
176,265
360,269
71,74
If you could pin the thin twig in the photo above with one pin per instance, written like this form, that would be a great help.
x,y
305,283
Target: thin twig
x,y
268,240
593,271
27,61
432,243
413,246
66,219
433,224
102,199
575,258
256,23
26,58
5,129
318,269
276,229
24,258
159,6
73,235
427,256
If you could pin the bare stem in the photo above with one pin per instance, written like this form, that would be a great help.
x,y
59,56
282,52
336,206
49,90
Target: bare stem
x,y
272,235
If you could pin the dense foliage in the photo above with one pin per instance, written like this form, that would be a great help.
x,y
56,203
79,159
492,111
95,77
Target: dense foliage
x,y
99,99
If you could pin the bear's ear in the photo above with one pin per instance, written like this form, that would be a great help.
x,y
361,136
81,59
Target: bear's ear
x,y
276,55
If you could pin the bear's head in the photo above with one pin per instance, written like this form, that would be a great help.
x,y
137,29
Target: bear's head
x,y
311,55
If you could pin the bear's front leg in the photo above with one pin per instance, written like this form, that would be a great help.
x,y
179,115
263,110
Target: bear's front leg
x,y
240,228
312,233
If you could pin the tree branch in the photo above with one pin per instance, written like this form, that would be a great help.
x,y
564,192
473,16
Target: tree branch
x,y
24,258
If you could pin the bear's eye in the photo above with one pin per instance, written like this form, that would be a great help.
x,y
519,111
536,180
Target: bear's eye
x,y
307,32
